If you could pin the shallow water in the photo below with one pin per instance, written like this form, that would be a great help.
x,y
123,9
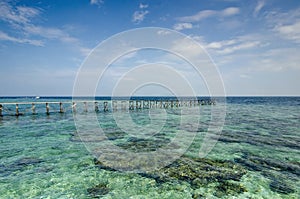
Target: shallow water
x,y
256,156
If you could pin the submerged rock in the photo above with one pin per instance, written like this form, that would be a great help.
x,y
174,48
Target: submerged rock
x,y
257,163
280,173
96,137
229,188
201,171
258,139
143,145
198,172
281,187
19,165
98,191
27,161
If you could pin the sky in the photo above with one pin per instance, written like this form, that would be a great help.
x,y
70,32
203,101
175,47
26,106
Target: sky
x,y
254,44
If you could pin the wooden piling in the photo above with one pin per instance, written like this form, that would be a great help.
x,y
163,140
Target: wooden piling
x,y
131,105
61,109
1,108
166,104
85,107
74,107
47,109
138,104
17,110
114,105
160,104
33,109
123,105
151,104
96,107
146,104
105,106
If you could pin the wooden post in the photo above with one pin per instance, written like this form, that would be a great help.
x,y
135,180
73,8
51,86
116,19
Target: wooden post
x,y
96,107
1,108
33,109
214,102
151,104
85,107
146,104
123,105
105,108
74,107
138,104
61,109
115,105
166,104
17,110
131,105
47,109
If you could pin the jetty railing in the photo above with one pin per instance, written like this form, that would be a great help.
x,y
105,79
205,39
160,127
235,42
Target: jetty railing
x,y
22,108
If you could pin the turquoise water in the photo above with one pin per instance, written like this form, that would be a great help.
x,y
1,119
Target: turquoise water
x,y
256,156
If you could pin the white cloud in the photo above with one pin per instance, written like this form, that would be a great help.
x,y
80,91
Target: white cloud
x,y
5,37
290,32
85,51
20,19
277,60
96,2
187,47
220,44
229,12
125,58
234,45
286,24
17,15
198,17
259,6
241,46
210,13
163,32
139,16
49,33
142,6
181,26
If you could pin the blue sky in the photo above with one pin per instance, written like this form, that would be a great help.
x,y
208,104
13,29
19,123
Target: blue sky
x,y
255,44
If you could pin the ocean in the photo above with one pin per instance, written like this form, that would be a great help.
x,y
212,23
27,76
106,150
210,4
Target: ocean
x,y
257,154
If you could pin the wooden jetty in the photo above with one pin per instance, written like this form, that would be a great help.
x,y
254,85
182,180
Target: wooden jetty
x,y
21,108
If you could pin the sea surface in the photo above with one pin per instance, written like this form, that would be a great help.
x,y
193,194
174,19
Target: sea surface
x,y
257,155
